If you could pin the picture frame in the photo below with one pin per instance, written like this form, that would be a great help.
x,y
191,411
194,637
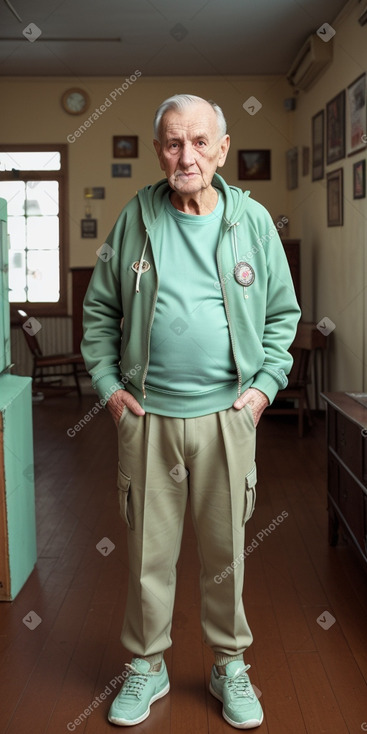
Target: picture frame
x,y
94,192
359,179
254,165
292,168
88,228
335,128
125,146
121,170
356,115
335,198
318,143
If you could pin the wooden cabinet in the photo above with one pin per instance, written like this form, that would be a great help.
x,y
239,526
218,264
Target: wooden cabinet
x,y
347,469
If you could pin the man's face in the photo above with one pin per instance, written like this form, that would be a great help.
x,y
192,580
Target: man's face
x,y
190,148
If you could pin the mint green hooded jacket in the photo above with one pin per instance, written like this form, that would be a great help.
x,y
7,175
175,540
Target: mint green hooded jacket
x,y
262,326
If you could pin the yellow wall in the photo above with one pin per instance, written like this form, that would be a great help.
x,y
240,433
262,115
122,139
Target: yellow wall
x,y
333,258
31,113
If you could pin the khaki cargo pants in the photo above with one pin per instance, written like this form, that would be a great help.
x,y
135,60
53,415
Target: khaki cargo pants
x,y
162,461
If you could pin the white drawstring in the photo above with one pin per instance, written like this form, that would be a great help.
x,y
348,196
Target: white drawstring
x,y
140,268
234,241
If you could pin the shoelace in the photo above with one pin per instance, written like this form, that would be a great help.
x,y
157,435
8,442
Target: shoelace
x,y
135,682
240,684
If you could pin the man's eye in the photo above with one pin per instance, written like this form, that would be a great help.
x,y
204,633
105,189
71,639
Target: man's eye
x,y
201,143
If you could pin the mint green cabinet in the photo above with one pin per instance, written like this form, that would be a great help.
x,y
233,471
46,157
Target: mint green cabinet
x,y
18,553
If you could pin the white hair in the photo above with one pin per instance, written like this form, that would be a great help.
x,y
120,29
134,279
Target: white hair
x,y
179,102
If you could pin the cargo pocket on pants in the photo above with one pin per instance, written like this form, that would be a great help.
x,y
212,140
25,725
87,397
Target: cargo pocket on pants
x,y
123,485
250,493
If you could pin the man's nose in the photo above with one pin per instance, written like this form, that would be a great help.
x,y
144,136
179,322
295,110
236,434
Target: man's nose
x,y
187,157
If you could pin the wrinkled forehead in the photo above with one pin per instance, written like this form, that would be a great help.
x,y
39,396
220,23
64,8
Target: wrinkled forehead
x,y
194,120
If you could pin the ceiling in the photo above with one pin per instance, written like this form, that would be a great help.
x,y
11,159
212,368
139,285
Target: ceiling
x,y
159,37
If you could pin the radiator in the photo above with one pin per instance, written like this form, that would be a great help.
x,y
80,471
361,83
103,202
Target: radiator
x,y
55,337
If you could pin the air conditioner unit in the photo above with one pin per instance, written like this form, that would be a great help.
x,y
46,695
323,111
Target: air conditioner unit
x,y
314,56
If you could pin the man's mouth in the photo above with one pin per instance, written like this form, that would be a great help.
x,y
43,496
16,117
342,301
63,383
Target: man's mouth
x,y
182,174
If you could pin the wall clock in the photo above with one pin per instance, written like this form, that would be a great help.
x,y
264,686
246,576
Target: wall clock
x,y
75,101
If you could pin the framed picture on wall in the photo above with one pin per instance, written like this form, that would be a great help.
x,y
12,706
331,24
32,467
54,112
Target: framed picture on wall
x,y
356,115
94,192
335,198
318,146
121,170
335,128
254,165
359,180
89,228
125,146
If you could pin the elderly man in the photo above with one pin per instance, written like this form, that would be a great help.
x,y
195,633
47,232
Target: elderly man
x,y
208,318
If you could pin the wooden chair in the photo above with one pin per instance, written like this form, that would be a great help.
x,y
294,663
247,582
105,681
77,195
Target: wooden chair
x,y
308,338
42,361
296,389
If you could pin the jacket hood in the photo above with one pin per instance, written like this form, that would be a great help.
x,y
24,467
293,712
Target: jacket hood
x,y
151,200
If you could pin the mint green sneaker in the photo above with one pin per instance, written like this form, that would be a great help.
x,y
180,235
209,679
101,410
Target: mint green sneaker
x,y
140,689
241,708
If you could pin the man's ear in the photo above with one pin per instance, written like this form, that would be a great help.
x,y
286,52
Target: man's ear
x,y
224,148
158,150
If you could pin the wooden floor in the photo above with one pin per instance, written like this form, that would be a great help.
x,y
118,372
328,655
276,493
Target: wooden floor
x,y
311,679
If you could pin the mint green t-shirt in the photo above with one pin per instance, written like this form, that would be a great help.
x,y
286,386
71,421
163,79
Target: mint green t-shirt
x,y
191,368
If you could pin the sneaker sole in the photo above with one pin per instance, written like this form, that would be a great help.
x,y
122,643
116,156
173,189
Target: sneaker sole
x,y
250,724
132,722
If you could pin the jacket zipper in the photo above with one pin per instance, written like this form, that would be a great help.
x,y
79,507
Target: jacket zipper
x,y
148,340
226,306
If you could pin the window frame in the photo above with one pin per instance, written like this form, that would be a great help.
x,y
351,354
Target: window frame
x,y
47,308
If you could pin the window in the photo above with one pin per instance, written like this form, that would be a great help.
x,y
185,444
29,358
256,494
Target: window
x,y
33,181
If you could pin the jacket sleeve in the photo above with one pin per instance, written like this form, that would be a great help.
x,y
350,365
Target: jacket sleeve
x,y
282,316
102,315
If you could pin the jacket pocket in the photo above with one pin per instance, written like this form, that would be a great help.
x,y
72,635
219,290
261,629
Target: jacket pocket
x,y
123,485
250,493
